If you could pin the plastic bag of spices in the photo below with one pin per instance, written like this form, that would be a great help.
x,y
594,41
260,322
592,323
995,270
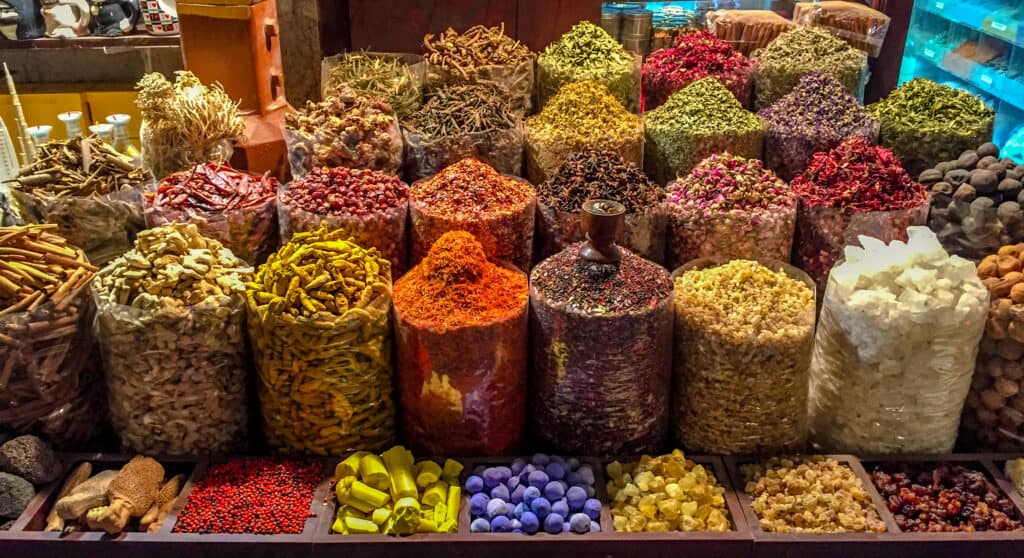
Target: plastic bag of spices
x,y
49,383
747,30
855,189
319,324
498,210
369,207
90,191
461,335
993,419
463,121
237,209
395,77
861,26
601,336
895,348
743,337
582,116
481,56
350,129
588,175
171,327
588,53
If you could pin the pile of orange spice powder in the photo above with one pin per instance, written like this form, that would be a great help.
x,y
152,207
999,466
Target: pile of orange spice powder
x,y
461,328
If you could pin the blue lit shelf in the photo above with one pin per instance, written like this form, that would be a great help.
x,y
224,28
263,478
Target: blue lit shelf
x,y
1000,24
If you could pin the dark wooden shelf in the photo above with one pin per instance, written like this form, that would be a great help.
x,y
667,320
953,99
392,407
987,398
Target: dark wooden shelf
x,y
129,41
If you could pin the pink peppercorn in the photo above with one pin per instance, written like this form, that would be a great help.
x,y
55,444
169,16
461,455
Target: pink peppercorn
x,y
257,496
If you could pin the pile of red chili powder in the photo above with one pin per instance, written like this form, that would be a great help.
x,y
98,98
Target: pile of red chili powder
x,y
255,496
695,55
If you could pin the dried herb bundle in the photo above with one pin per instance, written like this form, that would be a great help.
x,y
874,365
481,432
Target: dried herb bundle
x,y
462,109
79,167
185,122
478,47
389,78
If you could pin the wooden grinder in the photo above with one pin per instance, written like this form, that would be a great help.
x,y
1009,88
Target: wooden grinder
x,y
237,43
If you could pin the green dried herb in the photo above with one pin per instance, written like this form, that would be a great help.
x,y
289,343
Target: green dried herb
x,y
925,123
587,52
381,76
702,119
581,116
793,54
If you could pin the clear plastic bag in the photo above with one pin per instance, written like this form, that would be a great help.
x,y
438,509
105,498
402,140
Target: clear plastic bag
x,y
515,81
250,233
886,379
861,26
176,375
775,75
50,383
755,234
622,81
500,148
325,387
162,158
384,230
543,159
104,226
506,236
306,152
462,387
404,91
745,397
747,30
789,154
644,233
822,232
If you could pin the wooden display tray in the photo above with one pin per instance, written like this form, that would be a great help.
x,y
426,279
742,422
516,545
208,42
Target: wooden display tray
x,y
893,542
732,544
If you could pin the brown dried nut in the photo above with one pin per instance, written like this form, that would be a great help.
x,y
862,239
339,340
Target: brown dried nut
x,y
1017,293
1008,250
980,381
1011,418
1015,331
987,346
973,400
1017,402
995,329
1013,371
1001,287
987,417
1001,308
992,400
988,268
1006,388
1010,349
1006,264
994,367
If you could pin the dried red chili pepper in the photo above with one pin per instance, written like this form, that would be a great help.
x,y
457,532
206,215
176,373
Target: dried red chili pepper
x,y
213,187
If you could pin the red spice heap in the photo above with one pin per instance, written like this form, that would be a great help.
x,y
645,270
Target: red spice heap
x,y
345,191
455,286
258,496
696,55
858,176
214,187
471,187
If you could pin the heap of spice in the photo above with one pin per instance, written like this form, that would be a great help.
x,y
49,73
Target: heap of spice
x,y
384,76
178,298
237,209
744,333
695,55
895,348
348,129
976,202
588,53
993,418
460,324
460,121
779,66
46,314
730,207
392,494
252,496
185,123
369,207
810,495
498,210
700,120
925,122
591,175
582,116
549,494
855,189
481,55
318,317
89,190
666,493
601,348
943,498
817,115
